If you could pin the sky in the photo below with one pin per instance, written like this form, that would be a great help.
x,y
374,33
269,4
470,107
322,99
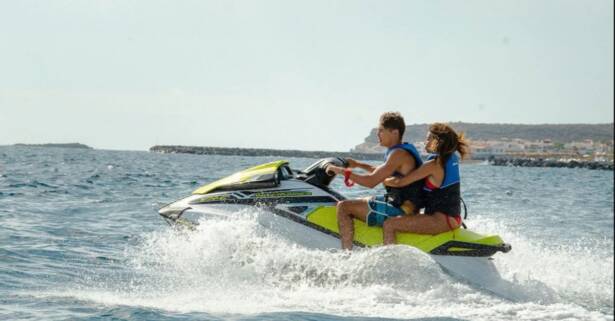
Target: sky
x,y
311,75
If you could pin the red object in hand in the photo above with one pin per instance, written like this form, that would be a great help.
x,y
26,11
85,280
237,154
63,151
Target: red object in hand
x,y
347,180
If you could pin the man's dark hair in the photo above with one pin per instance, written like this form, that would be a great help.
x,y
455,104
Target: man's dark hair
x,y
393,120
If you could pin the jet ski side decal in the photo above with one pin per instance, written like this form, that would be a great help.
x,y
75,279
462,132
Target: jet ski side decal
x,y
262,201
281,194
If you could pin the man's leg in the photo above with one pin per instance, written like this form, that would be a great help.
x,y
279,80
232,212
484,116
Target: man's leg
x,y
346,211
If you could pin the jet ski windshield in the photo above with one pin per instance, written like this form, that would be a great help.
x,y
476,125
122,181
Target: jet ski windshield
x,y
269,176
261,176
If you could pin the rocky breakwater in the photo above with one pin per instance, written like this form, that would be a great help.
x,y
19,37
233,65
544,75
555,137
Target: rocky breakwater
x,y
540,162
260,152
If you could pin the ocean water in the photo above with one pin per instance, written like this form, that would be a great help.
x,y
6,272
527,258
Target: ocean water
x,y
80,239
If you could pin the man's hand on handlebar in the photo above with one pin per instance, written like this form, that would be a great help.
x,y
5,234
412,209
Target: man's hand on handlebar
x,y
332,170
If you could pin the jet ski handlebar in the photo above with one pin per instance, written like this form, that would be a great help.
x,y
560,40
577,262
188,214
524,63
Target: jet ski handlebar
x,y
316,174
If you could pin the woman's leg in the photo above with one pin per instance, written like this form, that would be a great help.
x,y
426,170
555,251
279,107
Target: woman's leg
x,y
421,224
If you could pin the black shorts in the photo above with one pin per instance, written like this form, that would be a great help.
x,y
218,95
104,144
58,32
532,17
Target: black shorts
x,y
451,209
413,193
447,201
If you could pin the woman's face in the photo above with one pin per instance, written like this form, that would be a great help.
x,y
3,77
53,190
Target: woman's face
x,y
431,142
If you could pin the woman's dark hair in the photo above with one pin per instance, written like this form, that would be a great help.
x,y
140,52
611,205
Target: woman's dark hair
x,y
393,120
448,142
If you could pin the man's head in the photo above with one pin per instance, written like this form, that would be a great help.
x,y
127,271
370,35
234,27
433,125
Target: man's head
x,y
391,129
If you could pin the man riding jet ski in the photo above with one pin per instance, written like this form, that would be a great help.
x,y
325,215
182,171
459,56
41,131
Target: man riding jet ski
x,y
401,159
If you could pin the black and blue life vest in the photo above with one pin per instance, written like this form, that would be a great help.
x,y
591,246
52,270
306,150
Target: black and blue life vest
x,y
447,197
407,147
397,195
451,170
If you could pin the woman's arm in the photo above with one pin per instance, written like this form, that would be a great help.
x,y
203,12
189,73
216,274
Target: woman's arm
x,y
428,168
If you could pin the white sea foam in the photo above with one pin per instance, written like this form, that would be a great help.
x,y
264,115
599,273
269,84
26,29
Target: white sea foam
x,y
238,266
579,272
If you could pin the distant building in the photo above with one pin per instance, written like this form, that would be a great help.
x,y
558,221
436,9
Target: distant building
x,y
482,149
583,147
515,147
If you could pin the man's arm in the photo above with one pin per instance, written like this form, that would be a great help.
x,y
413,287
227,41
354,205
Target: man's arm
x,y
355,164
379,174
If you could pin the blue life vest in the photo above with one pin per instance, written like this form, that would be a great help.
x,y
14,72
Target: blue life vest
x,y
446,198
397,195
410,149
451,170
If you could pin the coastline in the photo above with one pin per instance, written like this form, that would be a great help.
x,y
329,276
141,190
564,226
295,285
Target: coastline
x,y
495,161
541,162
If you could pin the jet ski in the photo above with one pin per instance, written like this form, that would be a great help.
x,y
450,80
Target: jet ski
x,y
301,205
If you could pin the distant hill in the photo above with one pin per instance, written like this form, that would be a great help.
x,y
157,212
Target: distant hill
x,y
561,133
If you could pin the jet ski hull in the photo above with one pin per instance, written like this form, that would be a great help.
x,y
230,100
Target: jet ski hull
x,y
322,220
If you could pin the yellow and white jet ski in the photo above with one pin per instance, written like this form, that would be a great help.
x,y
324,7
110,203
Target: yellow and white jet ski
x,y
302,207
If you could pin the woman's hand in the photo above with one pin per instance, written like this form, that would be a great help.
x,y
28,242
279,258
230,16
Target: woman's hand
x,y
392,182
332,170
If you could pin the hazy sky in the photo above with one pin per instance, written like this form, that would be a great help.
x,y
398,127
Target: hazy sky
x,y
294,74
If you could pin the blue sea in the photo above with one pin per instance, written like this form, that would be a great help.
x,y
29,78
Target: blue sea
x,y
80,239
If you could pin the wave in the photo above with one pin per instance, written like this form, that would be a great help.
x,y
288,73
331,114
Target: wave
x,y
238,266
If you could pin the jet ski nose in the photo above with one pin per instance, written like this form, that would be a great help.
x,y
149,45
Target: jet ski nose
x,y
505,248
172,213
